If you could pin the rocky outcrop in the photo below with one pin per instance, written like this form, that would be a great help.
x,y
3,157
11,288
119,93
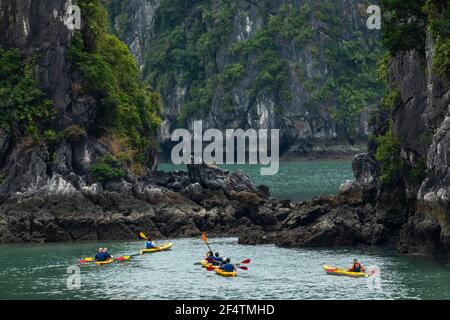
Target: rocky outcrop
x,y
166,205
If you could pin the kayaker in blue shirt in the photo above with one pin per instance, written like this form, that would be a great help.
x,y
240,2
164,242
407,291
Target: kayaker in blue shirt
x,y
217,260
106,254
228,267
357,267
100,256
150,245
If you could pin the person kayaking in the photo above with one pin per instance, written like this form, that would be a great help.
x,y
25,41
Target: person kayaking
x,y
228,267
357,267
150,244
106,254
100,255
217,260
210,257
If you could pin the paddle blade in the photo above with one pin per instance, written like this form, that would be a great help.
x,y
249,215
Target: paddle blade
x,y
243,268
210,268
204,238
246,261
124,258
143,236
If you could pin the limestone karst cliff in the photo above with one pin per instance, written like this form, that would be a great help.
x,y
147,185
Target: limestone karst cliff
x,y
304,67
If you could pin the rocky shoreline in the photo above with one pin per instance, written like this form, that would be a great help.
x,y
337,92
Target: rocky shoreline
x,y
177,204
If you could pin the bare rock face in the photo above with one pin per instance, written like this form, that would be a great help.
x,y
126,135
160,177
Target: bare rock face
x,y
429,229
140,15
215,178
366,171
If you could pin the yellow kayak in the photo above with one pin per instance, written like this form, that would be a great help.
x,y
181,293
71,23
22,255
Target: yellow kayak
x,y
222,273
91,261
343,272
206,264
164,247
99,263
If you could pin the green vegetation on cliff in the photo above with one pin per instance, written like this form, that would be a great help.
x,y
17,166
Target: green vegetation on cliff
x,y
403,25
128,111
388,156
439,24
193,57
352,85
184,56
24,108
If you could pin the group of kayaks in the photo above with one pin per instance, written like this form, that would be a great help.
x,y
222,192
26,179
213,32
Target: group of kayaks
x,y
209,266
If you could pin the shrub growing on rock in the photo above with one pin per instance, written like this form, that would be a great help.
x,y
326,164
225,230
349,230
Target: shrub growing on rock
x,y
75,133
107,168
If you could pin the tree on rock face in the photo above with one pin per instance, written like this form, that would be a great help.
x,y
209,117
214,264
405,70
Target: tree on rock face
x,y
128,114
24,108
403,25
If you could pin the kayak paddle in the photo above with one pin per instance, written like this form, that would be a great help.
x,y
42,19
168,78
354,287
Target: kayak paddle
x,y
143,236
205,240
124,258
87,259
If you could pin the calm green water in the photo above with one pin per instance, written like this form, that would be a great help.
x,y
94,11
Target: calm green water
x,y
297,181
39,272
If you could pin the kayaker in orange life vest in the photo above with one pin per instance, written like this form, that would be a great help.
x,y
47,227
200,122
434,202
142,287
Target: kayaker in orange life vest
x,y
357,267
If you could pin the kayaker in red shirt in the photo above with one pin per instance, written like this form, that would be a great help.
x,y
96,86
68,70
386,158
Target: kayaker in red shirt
x,y
357,267
210,257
